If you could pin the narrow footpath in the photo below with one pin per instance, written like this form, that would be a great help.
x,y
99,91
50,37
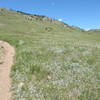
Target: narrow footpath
x,y
5,69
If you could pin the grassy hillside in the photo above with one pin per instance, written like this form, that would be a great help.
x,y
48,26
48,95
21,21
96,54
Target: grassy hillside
x,y
54,61
94,31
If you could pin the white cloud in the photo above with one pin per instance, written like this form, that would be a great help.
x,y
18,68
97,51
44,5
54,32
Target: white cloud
x,y
60,20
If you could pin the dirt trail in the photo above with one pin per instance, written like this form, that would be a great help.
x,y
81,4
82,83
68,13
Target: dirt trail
x,y
5,68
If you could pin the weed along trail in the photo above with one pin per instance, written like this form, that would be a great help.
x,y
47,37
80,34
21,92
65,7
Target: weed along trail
x,y
5,68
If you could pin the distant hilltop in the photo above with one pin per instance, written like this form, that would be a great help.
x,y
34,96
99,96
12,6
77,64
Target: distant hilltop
x,y
35,17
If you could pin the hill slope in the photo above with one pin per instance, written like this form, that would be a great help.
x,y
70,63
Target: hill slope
x,y
94,31
54,61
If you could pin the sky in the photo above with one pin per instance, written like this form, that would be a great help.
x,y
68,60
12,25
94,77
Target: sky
x,y
82,13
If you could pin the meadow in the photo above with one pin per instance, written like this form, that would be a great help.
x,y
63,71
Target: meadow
x,y
53,61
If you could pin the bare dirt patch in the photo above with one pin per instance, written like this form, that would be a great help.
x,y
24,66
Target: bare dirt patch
x,y
7,54
2,25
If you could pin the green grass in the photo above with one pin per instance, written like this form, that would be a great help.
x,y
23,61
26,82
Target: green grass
x,y
55,63
1,54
